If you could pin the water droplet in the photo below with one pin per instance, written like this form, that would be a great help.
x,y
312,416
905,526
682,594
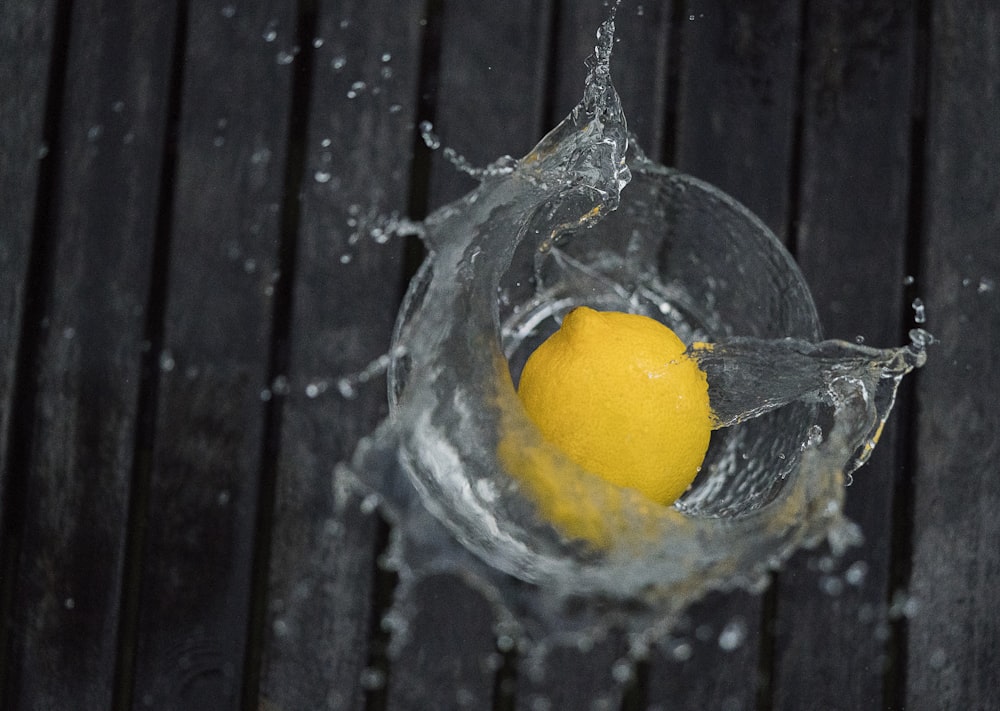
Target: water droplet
x,y
69,603
346,258
167,362
280,627
682,651
69,333
919,311
261,156
317,42
733,634
280,385
427,134
369,503
284,58
43,151
314,390
118,106
855,575
346,388
321,176
94,132
224,497
228,11
372,678
250,266
985,285
270,35
338,63
909,280
266,394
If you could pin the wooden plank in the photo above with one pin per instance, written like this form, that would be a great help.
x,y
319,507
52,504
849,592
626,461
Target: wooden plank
x,y
322,566
737,101
489,103
101,216
577,678
26,33
832,624
199,526
952,637
734,128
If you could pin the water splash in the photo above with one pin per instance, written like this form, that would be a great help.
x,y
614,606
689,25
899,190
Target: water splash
x,y
467,481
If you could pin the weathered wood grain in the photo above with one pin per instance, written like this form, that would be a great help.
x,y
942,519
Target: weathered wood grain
x,y
97,267
26,33
199,526
489,103
346,291
952,635
832,617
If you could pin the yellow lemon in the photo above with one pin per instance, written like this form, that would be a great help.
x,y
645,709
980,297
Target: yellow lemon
x,y
618,395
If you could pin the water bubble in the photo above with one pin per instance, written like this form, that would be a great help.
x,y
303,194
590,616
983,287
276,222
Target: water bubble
x,y
372,678
621,671
681,651
314,390
279,386
855,575
338,63
346,388
167,362
733,634
356,88
280,627
903,605
261,156
427,134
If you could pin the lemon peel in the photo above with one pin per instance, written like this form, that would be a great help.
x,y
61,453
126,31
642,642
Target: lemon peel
x,y
617,394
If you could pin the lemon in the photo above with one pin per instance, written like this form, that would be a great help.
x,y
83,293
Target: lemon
x,y
618,395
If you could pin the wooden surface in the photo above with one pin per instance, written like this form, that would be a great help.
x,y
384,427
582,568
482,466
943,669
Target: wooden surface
x,y
181,284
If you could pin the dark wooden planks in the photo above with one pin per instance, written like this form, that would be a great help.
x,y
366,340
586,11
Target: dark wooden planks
x,y
346,291
489,103
735,111
26,34
832,625
96,266
735,118
204,477
952,635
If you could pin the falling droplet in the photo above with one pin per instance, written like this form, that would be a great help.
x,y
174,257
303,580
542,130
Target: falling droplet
x,y
919,311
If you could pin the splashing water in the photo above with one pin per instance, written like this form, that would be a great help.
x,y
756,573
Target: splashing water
x,y
468,482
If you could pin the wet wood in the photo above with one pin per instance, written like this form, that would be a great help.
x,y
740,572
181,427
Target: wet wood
x,y
215,377
322,569
952,632
82,409
27,35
